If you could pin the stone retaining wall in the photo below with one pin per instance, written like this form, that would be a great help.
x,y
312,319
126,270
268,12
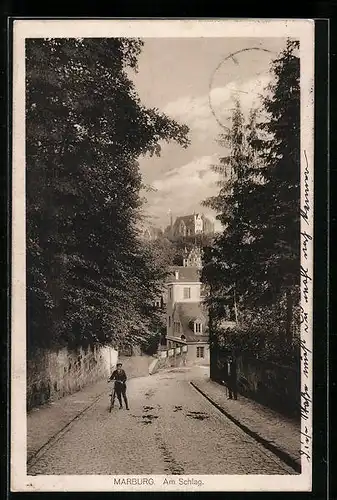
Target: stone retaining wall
x,y
54,374
160,363
270,384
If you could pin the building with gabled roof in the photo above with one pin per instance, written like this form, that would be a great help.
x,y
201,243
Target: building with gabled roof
x,y
193,320
192,225
193,258
183,273
187,317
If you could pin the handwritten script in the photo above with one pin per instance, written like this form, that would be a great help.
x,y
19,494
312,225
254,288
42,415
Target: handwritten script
x,y
305,210
306,238
306,442
306,280
305,354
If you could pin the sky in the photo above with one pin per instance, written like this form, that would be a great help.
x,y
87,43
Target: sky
x,y
194,81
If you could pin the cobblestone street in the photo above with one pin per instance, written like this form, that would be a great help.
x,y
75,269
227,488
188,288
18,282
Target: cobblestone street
x,y
170,429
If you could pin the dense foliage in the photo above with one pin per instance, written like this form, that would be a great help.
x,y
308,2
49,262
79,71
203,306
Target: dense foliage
x,y
163,251
254,264
89,277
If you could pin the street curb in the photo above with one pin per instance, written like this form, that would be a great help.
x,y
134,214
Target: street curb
x,y
46,446
281,454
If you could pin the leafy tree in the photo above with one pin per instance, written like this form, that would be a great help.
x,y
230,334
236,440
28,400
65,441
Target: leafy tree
x,y
163,251
89,278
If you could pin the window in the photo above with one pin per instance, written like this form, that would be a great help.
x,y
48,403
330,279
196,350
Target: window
x,y
197,327
200,352
176,327
170,292
169,321
187,293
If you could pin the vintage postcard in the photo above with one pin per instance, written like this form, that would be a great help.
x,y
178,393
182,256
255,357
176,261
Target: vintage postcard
x,y
162,255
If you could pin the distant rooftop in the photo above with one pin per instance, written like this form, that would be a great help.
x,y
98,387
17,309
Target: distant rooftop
x,y
183,274
188,313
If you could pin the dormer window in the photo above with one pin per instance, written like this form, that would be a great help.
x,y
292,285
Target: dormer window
x,y
197,327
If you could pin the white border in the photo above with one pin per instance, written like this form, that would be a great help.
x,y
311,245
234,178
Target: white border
x,y
298,29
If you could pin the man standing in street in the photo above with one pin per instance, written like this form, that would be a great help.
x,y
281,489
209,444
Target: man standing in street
x,y
231,378
119,376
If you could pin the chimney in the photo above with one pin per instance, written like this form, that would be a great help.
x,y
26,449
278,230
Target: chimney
x,y
177,275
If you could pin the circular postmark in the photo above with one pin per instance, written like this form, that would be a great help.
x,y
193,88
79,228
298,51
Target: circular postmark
x,y
241,75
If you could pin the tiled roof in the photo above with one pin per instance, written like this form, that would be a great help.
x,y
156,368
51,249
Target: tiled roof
x,y
188,221
185,274
188,312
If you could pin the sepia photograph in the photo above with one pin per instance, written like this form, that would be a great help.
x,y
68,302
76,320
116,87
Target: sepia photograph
x,y
162,255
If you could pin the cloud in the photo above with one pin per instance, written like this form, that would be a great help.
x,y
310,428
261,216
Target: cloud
x,y
193,175
249,92
183,188
198,112
194,111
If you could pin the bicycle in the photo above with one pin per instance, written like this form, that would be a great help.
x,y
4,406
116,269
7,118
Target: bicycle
x,y
112,395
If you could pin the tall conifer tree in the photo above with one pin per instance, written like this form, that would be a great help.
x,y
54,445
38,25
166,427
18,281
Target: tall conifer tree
x,y
257,255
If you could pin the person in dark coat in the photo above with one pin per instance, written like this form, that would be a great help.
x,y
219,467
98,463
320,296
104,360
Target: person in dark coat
x,y
231,378
119,376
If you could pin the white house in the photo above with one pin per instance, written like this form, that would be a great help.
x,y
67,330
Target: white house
x,y
187,318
